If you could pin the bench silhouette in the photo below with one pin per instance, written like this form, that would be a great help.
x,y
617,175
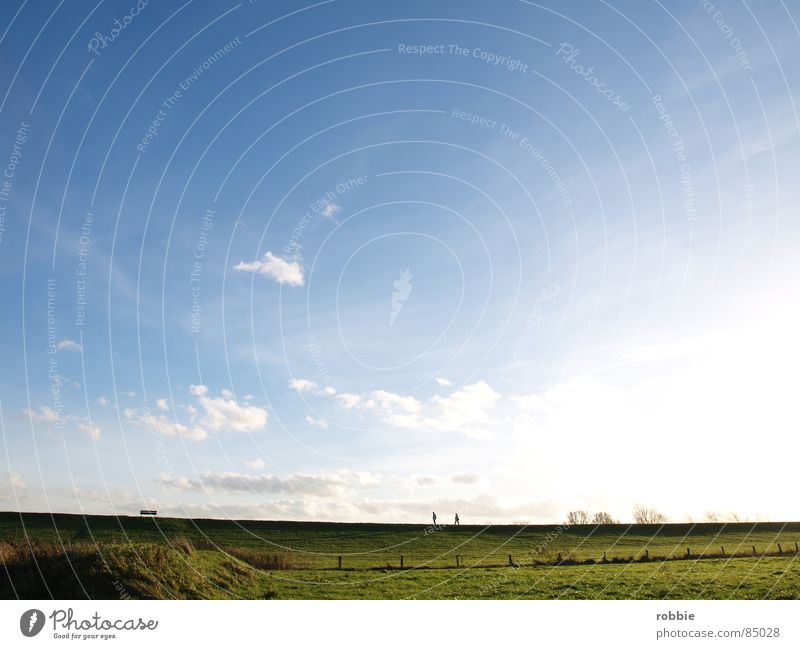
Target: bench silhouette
x,y
148,512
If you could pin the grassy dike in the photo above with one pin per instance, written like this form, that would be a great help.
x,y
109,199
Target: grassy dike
x,y
67,556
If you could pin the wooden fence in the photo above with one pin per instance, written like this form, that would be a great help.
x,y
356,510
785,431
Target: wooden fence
x,y
494,561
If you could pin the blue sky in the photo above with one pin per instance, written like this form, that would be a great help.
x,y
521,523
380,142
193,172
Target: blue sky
x,y
359,261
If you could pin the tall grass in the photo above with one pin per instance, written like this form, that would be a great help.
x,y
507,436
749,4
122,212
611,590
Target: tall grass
x,y
265,560
184,545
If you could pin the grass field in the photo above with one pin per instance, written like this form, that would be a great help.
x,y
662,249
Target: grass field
x,y
108,557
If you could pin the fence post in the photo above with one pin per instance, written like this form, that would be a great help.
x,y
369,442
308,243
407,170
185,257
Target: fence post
x,y
754,550
401,560
604,557
646,553
780,549
340,562
688,552
510,560
796,549
723,550
559,557
458,561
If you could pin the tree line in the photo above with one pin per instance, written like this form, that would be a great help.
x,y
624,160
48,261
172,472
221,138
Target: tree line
x,y
642,515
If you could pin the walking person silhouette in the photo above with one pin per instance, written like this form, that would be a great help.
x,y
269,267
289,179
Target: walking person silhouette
x,y
458,520
434,519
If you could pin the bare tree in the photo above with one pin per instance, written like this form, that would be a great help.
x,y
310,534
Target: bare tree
x,y
644,515
640,513
578,517
712,517
603,518
734,517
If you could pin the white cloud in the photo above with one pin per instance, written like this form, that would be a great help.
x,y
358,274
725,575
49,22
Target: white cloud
x,y
348,400
90,429
394,409
258,463
45,414
467,411
161,404
68,345
390,402
102,401
170,428
215,414
303,385
330,209
317,423
318,485
444,382
278,268
225,413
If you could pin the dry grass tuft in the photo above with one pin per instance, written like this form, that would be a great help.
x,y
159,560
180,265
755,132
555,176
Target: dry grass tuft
x,y
182,544
265,560
7,552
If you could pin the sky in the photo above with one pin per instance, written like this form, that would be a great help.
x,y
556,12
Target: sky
x,y
361,261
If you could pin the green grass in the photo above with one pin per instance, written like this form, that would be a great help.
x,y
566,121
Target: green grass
x,y
109,557
772,578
